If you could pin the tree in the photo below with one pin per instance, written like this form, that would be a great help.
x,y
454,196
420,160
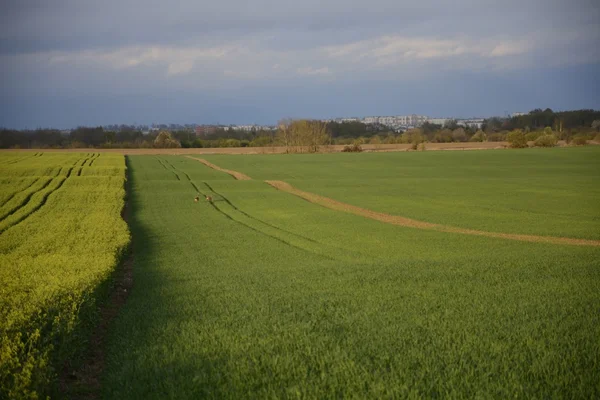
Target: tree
x,y
451,124
443,136
283,132
88,136
459,135
166,140
303,134
492,125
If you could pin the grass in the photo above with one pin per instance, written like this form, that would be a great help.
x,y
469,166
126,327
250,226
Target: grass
x,y
552,192
264,295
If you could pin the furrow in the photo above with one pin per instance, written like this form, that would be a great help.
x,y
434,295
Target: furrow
x,y
26,199
4,225
94,159
20,191
18,160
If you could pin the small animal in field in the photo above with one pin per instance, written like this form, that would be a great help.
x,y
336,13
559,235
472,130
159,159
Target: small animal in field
x,y
208,198
196,199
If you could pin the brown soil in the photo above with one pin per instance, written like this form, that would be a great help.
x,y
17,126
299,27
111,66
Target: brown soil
x,y
84,382
237,175
403,221
282,149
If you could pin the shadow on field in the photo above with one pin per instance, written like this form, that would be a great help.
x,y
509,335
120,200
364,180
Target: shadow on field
x,y
142,343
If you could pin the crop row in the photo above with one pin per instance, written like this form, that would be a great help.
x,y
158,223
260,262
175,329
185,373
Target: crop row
x,y
57,252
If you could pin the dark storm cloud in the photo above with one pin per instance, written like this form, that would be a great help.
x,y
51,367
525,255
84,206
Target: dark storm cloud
x,y
86,50
33,26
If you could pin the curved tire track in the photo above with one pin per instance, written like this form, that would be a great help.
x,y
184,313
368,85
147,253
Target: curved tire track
x,y
230,217
412,223
237,175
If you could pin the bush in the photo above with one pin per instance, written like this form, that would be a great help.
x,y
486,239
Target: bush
x,y
375,140
532,136
579,140
459,135
390,139
354,148
496,137
546,140
479,136
516,139
261,141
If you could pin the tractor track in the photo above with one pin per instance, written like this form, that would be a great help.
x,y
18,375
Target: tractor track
x,y
42,202
230,217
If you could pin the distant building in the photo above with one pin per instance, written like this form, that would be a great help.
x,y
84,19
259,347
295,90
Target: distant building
x,y
397,121
371,120
438,121
203,130
473,122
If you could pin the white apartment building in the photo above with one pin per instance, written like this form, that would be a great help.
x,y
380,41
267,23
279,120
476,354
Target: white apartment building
x,y
438,121
389,121
371,120
473,122
397,120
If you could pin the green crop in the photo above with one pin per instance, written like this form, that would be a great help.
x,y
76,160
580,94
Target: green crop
x,y
62,236
261,294
551,192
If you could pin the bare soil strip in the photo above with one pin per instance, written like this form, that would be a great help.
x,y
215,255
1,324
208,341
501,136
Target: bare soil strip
x,y
237,175
336,148
408,222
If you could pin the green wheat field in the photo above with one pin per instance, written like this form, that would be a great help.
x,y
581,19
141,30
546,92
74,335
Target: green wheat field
x,y
261,294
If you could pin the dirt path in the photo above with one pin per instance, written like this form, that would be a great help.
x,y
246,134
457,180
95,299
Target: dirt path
x,y
403,221
237,175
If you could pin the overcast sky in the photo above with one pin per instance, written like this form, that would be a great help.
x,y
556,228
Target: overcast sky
x,y
78,62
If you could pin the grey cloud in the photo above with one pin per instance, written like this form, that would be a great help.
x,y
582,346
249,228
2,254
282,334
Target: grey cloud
x,y
32,26
79,49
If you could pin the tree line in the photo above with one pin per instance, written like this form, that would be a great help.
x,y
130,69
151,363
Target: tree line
x,y
309,135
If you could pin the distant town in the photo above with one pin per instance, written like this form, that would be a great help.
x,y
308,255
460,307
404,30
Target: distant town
x,y
398,123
